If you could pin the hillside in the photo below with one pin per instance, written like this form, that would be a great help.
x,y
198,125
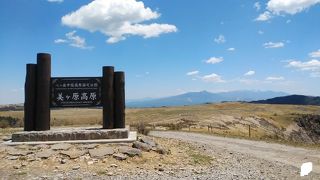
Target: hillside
x,y
193,98
292,99
277,122
11,107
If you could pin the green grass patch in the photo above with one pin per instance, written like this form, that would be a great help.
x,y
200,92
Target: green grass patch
x,y
198,158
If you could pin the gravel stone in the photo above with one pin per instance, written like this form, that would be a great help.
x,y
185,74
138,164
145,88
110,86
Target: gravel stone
x,y
148,141
101,152
88,146
62,146
113,165
75,167
6,138
63,161
120,156
161,150
45,154
18,152
13,157
73,154
16,166
142,146
130,151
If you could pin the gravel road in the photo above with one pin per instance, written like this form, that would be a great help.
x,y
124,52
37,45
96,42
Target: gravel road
x,y
251,159
229,159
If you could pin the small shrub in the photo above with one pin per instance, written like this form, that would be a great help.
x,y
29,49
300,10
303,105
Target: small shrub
x,y
177,126
4,124
142,128
9,121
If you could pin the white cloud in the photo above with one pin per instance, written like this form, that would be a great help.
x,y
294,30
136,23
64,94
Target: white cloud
x,y
264,16
288,21
290,6
312,65
257,6
117,19
279,7
250,73
55,1
275,78
315,54
220,39
73,40
59,41
231,49
273,45
260,32
192,73
212,78
214,60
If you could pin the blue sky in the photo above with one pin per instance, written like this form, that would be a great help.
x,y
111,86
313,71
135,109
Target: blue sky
x,y
165,47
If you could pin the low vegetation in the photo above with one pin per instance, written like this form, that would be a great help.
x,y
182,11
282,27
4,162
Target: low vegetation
x,y
8,121
266,122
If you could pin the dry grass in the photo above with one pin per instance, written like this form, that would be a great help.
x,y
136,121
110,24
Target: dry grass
x,y
281,114
227,119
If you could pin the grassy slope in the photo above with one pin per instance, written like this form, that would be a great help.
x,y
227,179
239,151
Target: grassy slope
x,y
281,115
231,119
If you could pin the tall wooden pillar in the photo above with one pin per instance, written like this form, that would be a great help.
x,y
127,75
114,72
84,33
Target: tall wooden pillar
x,y
30,97
119,100
42,122
107,97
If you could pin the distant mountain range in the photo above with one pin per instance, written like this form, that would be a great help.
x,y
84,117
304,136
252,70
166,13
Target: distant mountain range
x,y
202,97
292,99
193,98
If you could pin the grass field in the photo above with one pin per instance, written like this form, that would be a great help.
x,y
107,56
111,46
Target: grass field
x,y
230,119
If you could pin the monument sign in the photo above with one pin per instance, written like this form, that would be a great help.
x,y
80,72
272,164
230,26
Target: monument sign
x,y
76,92
43,92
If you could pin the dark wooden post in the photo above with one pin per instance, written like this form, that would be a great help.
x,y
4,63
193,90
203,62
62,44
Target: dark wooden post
x,y
42,122
249,131
30,97
108,97
119,100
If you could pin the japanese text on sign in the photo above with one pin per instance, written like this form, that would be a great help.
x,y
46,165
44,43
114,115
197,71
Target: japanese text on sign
x,y
75,92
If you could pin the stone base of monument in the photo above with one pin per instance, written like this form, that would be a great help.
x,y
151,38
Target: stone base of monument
x,y
73,135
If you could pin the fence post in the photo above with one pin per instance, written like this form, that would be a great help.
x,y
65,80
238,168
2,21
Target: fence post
x,y
108,97
249,131
42,122
119,100
30,97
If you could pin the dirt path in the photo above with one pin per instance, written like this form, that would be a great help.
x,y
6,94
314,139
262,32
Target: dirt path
x,y
292,156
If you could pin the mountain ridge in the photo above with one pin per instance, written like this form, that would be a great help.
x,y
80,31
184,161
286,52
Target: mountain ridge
x,y
194,98
291,100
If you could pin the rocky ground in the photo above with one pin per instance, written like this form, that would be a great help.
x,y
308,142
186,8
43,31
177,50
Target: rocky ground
x,y
245,159
176,155
146,158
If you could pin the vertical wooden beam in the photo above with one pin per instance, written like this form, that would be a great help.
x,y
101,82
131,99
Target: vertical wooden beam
x,y
43,92
30,97
249,131
119,100
108,97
